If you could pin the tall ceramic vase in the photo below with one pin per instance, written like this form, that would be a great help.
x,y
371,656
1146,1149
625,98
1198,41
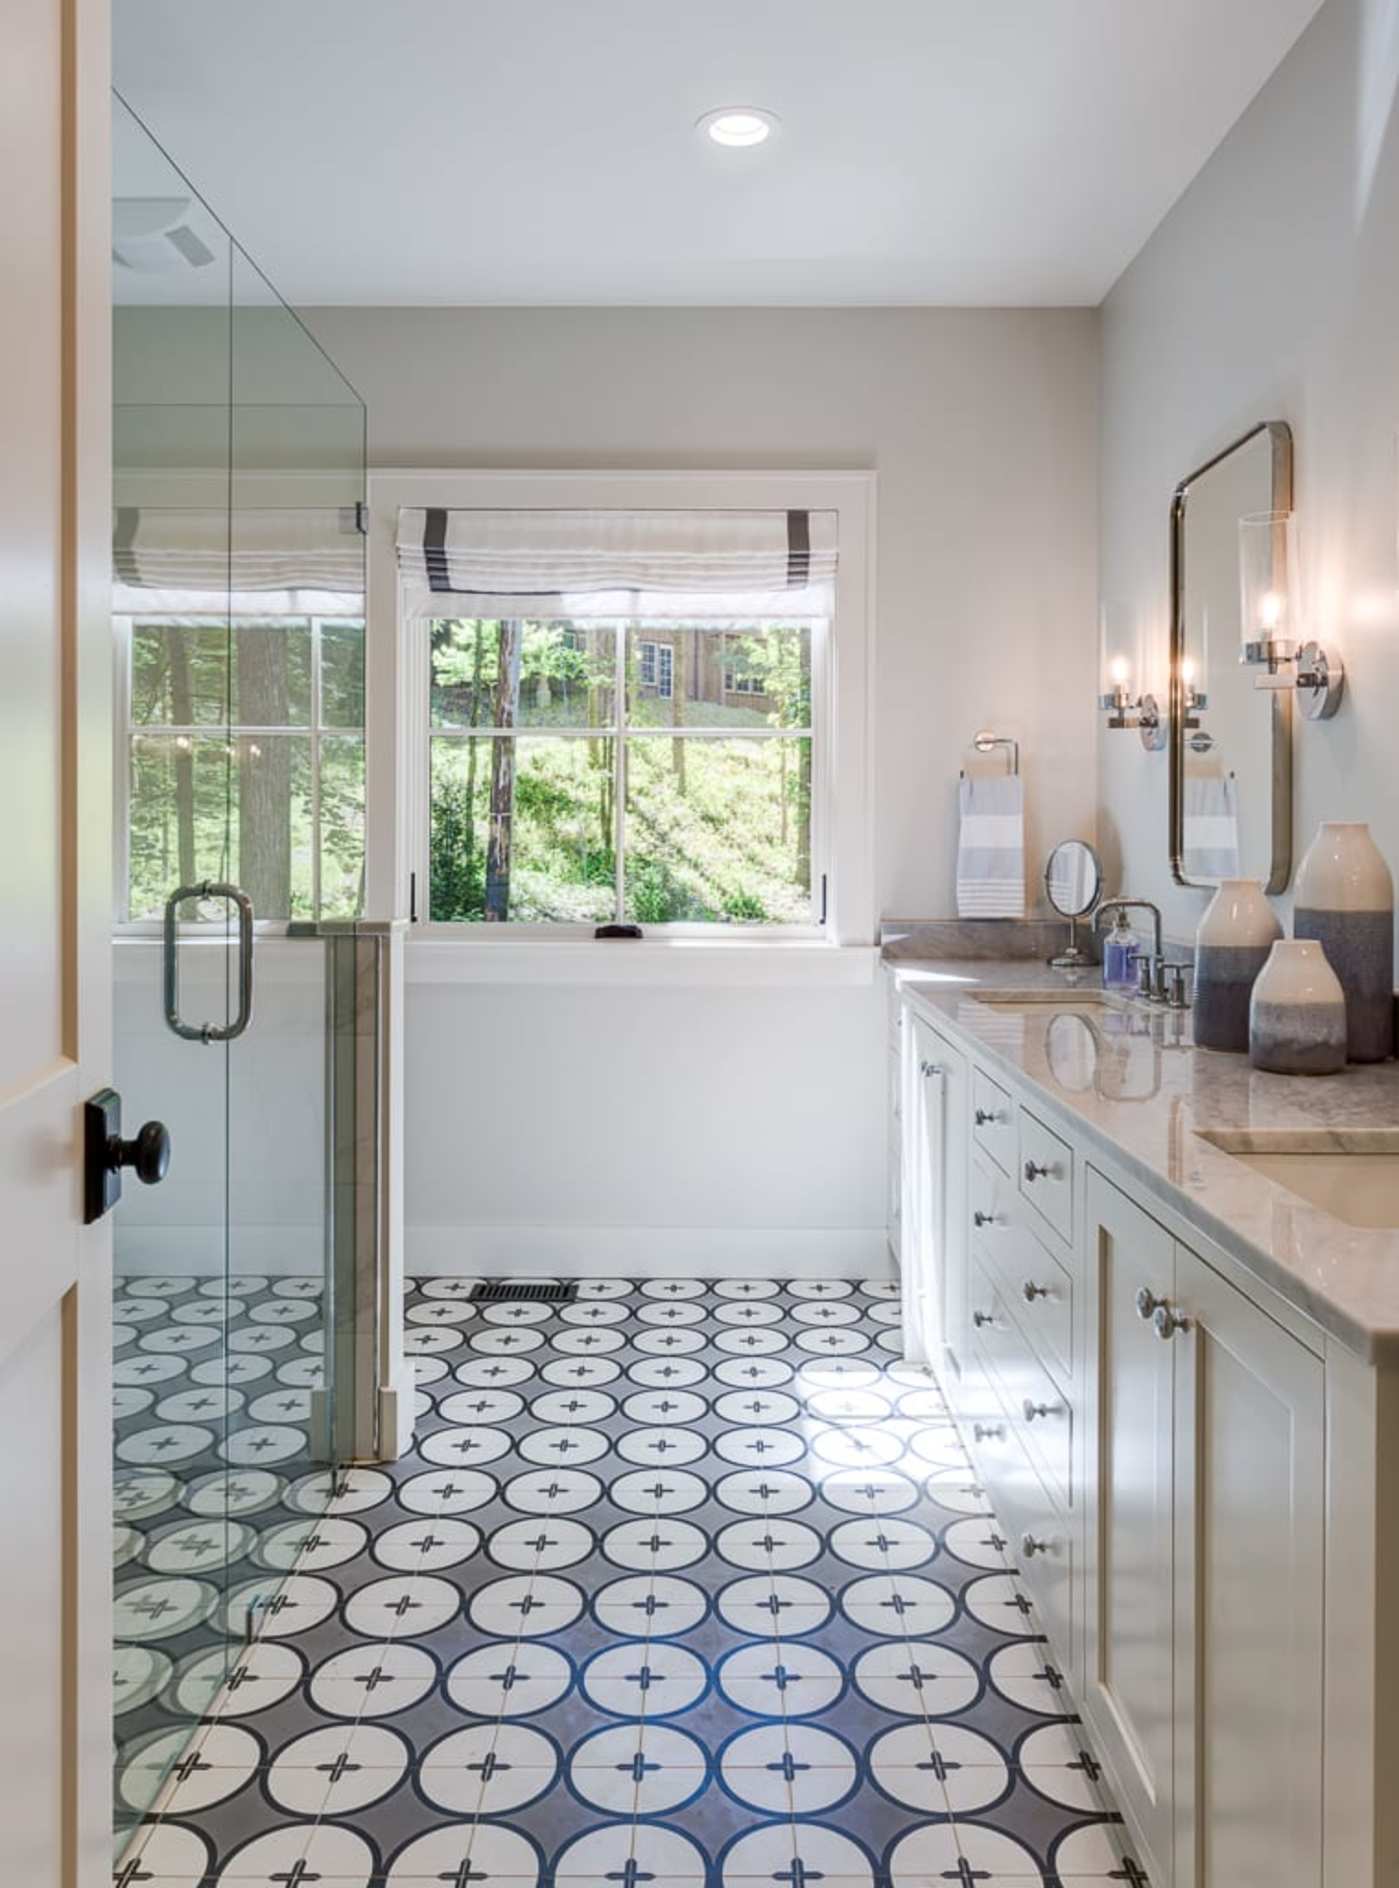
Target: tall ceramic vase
x,y
1297,1019
1345,902
1231,947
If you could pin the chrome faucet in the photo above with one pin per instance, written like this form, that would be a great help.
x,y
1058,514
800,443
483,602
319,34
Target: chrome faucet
x,y
1153,970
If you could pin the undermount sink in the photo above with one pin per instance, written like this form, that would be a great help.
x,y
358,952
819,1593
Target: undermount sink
x,y
1066,999
1354,1177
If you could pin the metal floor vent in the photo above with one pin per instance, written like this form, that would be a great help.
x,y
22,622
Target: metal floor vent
x,y
544,1293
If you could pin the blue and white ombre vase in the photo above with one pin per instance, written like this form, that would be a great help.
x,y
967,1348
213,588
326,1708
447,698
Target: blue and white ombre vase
x,y
1231,947
1297,1018
1345,902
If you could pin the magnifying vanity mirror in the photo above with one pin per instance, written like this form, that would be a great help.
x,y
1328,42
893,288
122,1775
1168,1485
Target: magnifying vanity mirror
x,y
1230,741
1073,884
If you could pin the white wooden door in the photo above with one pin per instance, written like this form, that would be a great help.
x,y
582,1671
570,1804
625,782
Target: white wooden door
x,y
934,1273
55,770
1128,1429
1249,1555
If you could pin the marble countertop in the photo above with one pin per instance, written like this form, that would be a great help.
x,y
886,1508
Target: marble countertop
x,y
1130,1079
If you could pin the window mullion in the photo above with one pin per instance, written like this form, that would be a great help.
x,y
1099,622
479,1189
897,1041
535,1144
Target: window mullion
x,y
315,763
619,773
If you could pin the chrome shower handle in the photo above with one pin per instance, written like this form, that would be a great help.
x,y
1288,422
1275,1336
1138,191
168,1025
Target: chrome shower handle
x,y
209,1032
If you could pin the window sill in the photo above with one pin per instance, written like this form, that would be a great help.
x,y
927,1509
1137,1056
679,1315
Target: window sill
x,y
717,962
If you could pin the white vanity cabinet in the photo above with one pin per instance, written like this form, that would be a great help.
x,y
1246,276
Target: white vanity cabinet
x,y
1151,1425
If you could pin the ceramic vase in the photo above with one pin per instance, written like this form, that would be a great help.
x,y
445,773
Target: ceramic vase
x,y
1297,1019
1231,947
1345,902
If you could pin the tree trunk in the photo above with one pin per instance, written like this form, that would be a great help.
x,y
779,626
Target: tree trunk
x,y
506,708
264,773
469,836
182,714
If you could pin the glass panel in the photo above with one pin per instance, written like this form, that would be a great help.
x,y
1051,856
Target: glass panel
x,y
718,831
522,829
517,674
719,678
342,673
342,826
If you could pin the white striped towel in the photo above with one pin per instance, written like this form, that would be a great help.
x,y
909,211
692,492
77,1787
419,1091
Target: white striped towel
x,y
991,847
1211,826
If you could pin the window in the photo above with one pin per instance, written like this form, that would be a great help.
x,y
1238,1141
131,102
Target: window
x,y
244,745
591,771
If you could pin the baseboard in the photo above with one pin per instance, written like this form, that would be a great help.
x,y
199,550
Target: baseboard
x,y
199,1251
646,1252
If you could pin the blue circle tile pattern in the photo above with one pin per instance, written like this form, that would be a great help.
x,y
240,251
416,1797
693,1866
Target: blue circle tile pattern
x,y
685,1581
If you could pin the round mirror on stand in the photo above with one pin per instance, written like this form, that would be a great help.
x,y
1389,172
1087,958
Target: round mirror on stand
x,y
1073,884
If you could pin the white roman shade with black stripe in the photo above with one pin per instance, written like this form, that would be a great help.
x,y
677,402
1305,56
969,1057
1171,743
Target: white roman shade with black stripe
x,y
681,565
306,561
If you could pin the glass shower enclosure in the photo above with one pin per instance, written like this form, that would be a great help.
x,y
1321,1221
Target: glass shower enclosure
x,y
239,951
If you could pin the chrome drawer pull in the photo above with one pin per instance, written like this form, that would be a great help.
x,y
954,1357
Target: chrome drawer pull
x,y
1036,1410
1168,1321
931,1068
979,1318
1148,1304
1029,1546
1029,1291
1036,1170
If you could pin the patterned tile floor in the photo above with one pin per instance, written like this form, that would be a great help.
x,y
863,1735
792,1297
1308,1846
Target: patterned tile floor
x,y
682,1582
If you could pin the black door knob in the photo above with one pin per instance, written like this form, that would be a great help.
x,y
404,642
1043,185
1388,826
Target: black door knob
x,y
148,1155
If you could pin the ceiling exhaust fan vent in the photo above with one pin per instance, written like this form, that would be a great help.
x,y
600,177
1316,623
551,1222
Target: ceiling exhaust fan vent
x,y
150,236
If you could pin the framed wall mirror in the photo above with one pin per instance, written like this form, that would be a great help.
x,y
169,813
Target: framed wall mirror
x,y
1230,742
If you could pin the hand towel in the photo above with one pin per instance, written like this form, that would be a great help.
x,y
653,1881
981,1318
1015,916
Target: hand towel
x,y
991,847
1211,836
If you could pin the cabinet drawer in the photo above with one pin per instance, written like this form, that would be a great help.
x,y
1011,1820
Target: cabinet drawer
x,y
1033,1402
1046,1174
1038,1291
993,1120
1038,1536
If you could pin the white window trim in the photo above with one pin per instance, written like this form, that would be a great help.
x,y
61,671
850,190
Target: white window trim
x,y
396,684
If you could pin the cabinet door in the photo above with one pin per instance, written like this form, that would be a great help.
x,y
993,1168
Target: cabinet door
x,y
1128,1424
1248,1592
934,1264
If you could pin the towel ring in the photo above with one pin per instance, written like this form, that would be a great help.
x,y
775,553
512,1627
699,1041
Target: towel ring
x,y
984,742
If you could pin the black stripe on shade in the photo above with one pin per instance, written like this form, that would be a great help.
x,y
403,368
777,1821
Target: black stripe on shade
x,y
124,528
798,549
435,547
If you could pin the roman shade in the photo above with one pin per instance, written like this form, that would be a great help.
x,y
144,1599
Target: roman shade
x,y
682,565
308,561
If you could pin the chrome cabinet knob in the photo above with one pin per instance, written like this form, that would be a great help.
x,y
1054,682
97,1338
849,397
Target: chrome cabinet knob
x,y
1148,1304
1036,1170
1034,1411
980,1318
1029,1546
983,1219
985,1118
930,1068
1167,1321
988,1432
1029,1291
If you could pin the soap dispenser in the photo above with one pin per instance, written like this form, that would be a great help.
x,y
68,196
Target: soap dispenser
x,y
1121,949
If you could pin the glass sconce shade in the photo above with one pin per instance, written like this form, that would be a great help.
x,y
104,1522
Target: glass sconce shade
x,y
1270,610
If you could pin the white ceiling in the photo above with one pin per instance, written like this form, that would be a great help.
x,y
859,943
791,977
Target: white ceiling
x,y
543,151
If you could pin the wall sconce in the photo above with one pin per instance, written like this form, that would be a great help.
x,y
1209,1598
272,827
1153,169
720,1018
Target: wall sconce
x,y
1270,616
1123,698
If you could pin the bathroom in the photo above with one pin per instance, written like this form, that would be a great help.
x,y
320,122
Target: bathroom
x,y
700,1043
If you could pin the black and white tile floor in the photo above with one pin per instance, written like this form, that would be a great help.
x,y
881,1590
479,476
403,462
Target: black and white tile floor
x,y
683,1582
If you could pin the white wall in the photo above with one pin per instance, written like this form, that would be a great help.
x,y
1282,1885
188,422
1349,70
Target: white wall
x,y
718,1129
1272,291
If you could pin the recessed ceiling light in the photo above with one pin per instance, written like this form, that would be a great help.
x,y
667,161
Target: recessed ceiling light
x,y
738,125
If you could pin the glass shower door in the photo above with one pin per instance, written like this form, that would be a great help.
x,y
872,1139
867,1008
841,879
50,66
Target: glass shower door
x,y
239,635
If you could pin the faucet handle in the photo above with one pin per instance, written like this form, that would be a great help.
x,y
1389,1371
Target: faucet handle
x,y
1175,975
1144,976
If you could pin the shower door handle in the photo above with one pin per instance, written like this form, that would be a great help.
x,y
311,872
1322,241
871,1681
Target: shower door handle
x,y
209,1032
